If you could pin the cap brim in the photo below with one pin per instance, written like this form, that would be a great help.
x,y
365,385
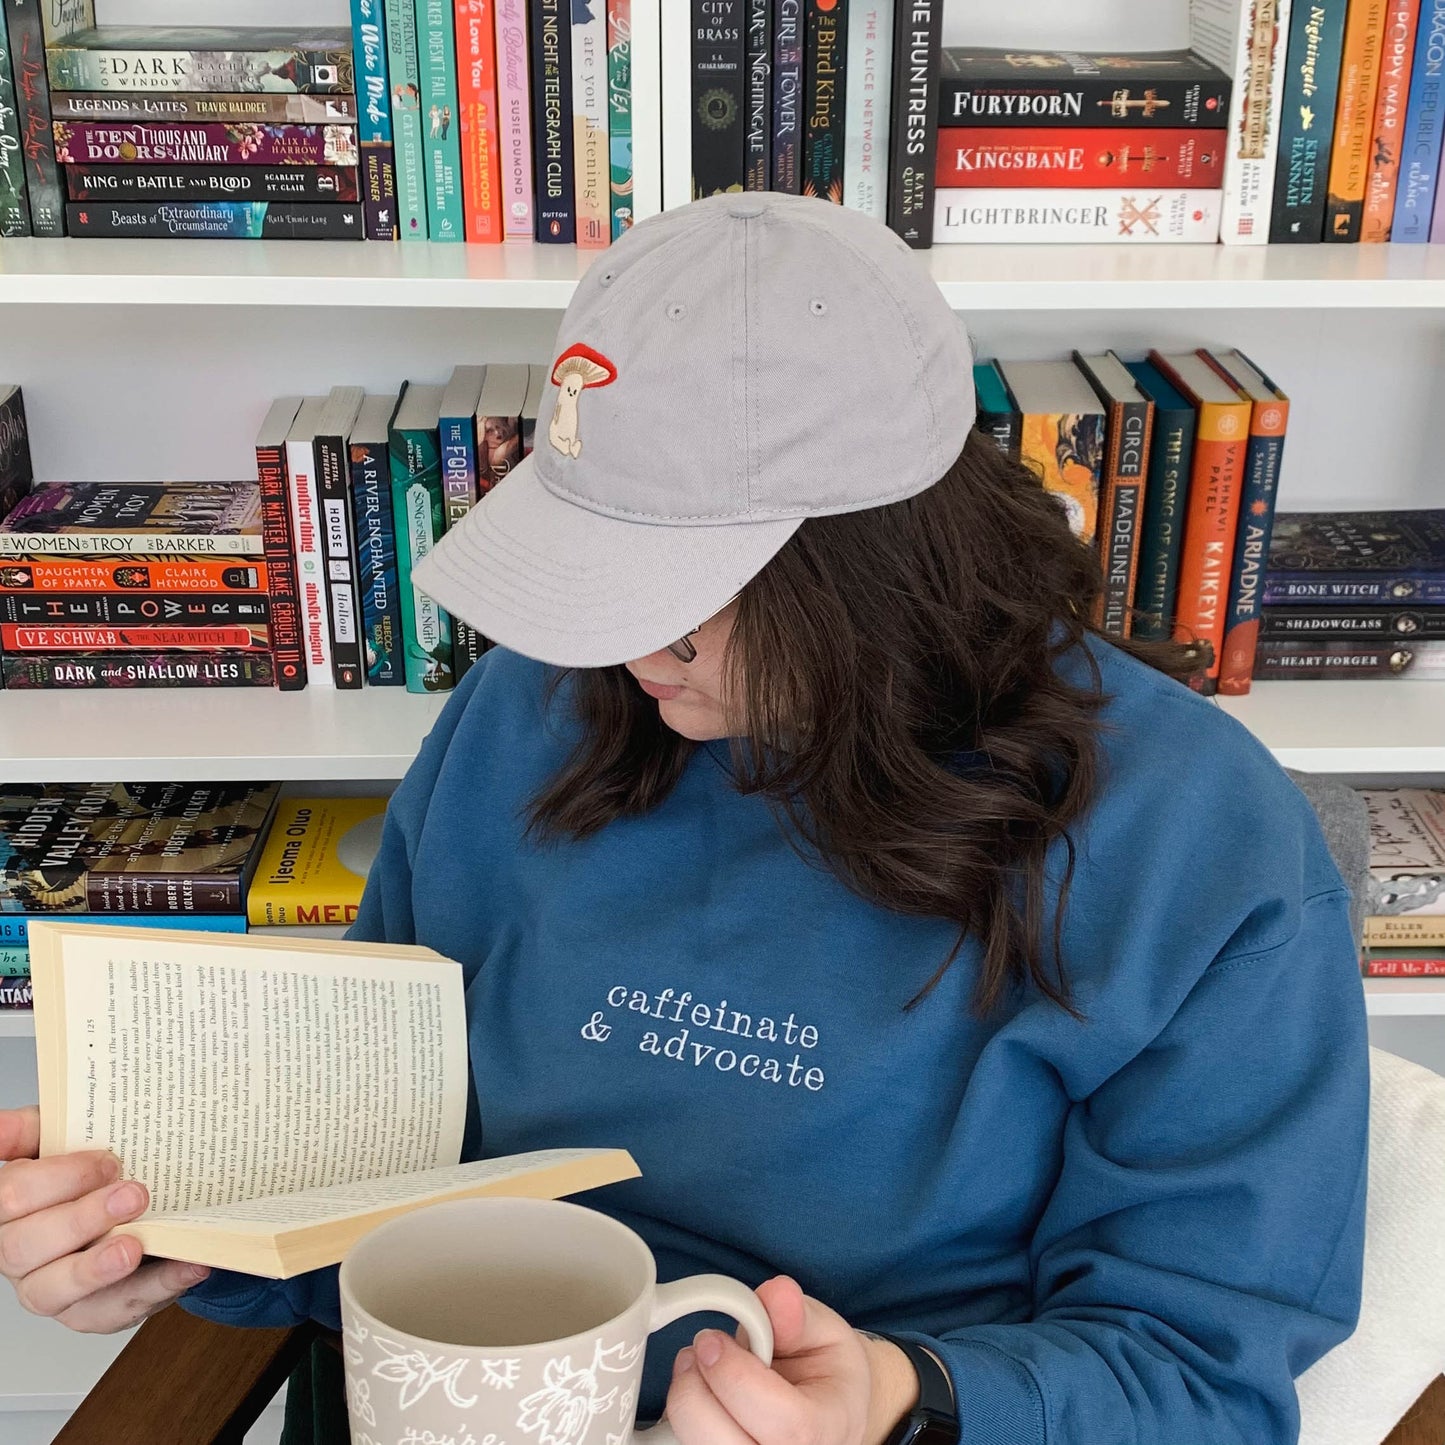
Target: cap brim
x,y
549,579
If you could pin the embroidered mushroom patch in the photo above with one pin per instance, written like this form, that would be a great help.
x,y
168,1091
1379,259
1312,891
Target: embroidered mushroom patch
x,y
575,370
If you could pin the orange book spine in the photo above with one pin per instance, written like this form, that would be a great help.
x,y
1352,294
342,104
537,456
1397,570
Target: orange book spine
x,y
1210,524
477,102
1396,66
1355,119
126,574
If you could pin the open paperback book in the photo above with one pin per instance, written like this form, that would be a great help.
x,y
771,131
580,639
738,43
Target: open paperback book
x,y
278,1099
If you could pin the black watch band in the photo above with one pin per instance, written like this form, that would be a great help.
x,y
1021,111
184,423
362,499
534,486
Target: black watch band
x,y
934,1419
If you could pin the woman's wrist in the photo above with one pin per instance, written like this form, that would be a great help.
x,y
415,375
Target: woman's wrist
x,y
893,1388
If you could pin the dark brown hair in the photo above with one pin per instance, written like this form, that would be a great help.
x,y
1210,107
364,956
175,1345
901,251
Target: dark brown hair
x,y
893,672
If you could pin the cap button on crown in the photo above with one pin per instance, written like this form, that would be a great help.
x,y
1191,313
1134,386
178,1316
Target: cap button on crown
x,y
747,205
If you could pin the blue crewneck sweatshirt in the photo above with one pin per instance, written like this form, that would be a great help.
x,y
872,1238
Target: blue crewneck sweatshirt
x,y
1134,1229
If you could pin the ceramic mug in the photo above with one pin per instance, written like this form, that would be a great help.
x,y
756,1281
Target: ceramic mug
x,y
512,1322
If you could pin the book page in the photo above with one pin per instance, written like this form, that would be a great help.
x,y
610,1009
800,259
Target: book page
x,y
222,1068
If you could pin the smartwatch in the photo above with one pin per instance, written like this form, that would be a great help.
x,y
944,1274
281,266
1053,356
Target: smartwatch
x,y
934,1419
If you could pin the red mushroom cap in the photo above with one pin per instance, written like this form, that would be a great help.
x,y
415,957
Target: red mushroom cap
x,y
592,366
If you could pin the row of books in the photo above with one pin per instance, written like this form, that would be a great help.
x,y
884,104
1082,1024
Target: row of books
x,y
448,120
1405,909
223,857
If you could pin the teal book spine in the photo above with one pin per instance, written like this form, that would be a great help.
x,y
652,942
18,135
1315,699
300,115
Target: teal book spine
x,y
404,76
15,927
998,416
419,510
441,124
619,108
14,962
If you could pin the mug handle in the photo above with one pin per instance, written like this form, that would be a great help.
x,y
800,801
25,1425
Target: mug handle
x,y
707,1292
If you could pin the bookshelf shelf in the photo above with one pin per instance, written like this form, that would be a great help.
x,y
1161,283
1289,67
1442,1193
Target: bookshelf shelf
x,y
529,277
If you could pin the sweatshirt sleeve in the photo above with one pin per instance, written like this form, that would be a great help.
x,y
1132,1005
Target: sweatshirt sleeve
x,y
1203,1243
385,916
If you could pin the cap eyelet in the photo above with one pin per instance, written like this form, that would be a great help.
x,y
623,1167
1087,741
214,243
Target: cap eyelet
x,y
607,278
676,311
818,306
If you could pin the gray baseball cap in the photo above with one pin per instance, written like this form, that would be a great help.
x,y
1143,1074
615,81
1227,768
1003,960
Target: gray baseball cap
x,y
726,370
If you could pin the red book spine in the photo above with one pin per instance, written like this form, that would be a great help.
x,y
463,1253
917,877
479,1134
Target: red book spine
x,y
1404,967
1006,157
477,102
19,637
280,569
1396,66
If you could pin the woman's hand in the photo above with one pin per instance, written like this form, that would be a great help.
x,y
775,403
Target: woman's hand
x,y
52,1213
828,1385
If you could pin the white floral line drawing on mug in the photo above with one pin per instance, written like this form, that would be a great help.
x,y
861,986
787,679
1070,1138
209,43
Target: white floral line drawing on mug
x,y
463,1436
500,1374
560,1412
417,1372
361,1405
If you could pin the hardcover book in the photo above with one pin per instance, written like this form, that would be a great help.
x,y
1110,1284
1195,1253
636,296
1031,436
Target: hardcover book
x,y
378,154
537,377
758,131
1061,436
211,183
1307,120
1339,624
216,220
208,143
376,543
591,175
457,434
1007,156
20,637
1415,933
135,669
785,168
1420,142
16,992
1142,213
259,107
551,49
180,1053
132,573
913,126
99,517
476,38
1166,498
998,416
28,37
719,97
825,76
441,129
1404,963
1302,660
1167,89
500,407
143,611
1407,851
1377,558
306,543
153,57
404,76
1354,119
15,927
14,208
1396,64
338,531
181,848
514,110
619,112
315,860
16,474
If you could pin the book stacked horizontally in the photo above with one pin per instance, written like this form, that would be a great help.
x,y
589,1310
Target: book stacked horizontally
x,y
1405,923
1355,594
163,855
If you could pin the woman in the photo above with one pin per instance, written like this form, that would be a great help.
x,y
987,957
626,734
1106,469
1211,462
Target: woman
x,y
952,973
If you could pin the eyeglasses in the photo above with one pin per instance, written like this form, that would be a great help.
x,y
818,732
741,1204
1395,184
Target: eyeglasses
x,y
682,649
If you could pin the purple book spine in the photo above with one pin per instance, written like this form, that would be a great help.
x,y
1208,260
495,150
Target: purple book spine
x,y
81,142
1437,226
514,114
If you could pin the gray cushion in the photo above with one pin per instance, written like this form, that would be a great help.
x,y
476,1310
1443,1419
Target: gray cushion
x,y
1346,825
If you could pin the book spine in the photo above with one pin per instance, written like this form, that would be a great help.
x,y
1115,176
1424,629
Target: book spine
x,y
15,927
476,36
211,183
1002,429
174,893
1333,588
33,118
14,962
1437,228
825,100
758,132
1084,215
1253,139
209,143
306,541
418,506
514,105
262,107
436,57
403,69
786,161
1354,120
218,220
869,85
1121,496
1311,661
458,438
619,99
94,544
986,156
304,70
1171,460
1307,120
17,993
589,127
1338,624
913,145
1420,144
285,612
112,670
1376,967
1396,63
14,207
1251,545
23,637
1039,98
378,155
376,563
1392,931
1065,450
552,122
718,96
338,538
137,572
142,609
